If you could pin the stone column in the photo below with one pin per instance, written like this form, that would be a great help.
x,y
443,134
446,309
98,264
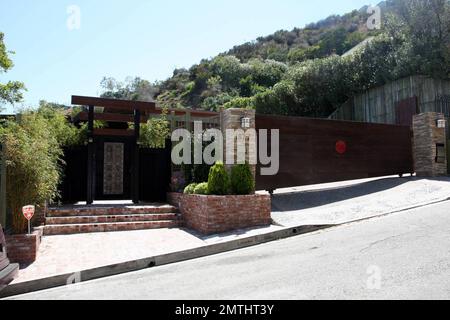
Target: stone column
x,y
428,141
232,119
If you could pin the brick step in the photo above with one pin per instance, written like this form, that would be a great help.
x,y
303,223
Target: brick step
x,y
60,229
111,219
114,211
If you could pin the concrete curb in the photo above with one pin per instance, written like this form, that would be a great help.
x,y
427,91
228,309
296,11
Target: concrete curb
x,y
160,260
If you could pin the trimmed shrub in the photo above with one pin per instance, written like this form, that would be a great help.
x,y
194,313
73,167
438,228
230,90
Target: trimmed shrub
x,y
218,180
190,188
242,181
201,189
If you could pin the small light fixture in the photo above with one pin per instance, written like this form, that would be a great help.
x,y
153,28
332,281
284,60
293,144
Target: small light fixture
x,y
441,123
245,122
90,140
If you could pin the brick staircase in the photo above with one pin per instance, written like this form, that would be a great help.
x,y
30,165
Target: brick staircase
x,y
72,220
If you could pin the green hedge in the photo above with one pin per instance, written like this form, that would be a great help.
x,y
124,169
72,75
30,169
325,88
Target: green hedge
x,y
218,180
190,188
201,189
242,181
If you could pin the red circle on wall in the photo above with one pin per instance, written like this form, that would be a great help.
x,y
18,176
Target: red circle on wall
x,y
341,147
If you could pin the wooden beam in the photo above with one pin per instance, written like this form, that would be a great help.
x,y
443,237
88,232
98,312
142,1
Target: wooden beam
x,y
182,112
109,117
113,104
91,159
117,117
135,169
113,132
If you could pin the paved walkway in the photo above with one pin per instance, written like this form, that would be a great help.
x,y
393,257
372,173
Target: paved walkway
x,y
344,202
71,253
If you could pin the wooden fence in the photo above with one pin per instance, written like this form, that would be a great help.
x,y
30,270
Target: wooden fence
x,y
379,105
316,151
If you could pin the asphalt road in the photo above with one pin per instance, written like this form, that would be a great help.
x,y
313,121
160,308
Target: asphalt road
x,y
400,256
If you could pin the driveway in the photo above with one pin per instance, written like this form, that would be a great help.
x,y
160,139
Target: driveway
x,y
344,202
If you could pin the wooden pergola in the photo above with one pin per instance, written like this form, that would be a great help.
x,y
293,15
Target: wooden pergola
x,y
121,111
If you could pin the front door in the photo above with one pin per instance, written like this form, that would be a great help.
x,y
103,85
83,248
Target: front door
x,y
113,172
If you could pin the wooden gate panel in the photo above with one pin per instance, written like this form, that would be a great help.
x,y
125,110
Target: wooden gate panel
x,y
74,180
405,111
154,175
308,152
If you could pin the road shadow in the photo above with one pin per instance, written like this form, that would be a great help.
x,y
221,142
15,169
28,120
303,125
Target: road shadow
x,y
300,200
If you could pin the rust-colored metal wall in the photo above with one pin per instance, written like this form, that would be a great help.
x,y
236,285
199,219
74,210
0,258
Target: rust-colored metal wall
x,y
318,151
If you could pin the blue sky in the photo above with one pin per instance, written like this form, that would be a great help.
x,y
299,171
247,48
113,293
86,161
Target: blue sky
x,y
146,38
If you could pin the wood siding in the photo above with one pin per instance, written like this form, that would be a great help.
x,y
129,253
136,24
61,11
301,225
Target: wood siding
x,y
309,152
378,105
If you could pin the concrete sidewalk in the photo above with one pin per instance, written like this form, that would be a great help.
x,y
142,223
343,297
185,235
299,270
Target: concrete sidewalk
x,y
343,202
72,253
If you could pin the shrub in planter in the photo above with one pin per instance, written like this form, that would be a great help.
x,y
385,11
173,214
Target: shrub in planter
x,y
190,188
242,181
201,189
218,180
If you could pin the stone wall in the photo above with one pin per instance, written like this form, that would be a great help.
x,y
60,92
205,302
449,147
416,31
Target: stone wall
x,y
427,136
217,214
23,248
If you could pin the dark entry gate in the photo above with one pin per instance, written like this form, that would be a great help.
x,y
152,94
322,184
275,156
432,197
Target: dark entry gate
x,y
154,174
316,151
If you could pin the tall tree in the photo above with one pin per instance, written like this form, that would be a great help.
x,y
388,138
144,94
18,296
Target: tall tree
x,y
10,92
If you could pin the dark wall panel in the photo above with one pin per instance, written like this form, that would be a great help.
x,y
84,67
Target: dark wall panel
x,y
74,178
308,152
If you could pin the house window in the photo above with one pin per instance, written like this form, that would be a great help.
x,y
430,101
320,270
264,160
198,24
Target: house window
x,y
440,153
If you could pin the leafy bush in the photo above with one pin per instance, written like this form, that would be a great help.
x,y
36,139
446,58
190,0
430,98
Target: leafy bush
x,y
201,189
34,156
218,181
156,131
33,160
242,181
190,188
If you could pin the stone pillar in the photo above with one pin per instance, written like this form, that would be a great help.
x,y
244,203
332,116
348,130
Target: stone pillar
x,y
232,119
430,156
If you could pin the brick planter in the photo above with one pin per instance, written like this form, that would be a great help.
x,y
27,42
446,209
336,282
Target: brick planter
x,y
174,198
217,214
23,248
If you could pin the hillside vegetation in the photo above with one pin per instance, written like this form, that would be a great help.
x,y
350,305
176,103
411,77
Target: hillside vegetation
x,y
302,72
